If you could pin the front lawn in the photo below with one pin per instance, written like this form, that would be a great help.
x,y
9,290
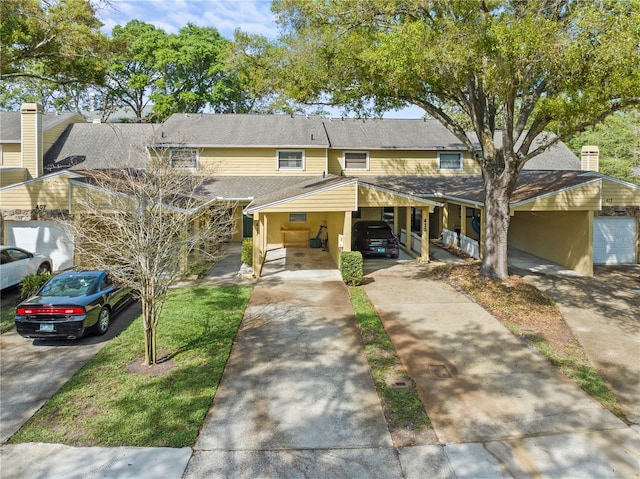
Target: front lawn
x,y
114,401
7,313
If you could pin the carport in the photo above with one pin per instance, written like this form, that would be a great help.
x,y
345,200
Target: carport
x,y
329,206
295,216
553,212
410,215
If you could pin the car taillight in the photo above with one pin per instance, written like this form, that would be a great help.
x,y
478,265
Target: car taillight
x,y
68,311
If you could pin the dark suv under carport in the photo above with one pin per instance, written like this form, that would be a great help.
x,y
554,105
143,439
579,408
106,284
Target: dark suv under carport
x,y
375,238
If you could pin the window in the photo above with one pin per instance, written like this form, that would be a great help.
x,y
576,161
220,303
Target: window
x,y
449,161
290,160
182,158
297,217
356,160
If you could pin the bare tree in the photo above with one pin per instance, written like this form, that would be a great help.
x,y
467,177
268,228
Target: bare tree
x,y
145,226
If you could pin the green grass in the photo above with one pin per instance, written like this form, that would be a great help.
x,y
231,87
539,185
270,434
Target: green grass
x,y
574,364
403,407
106,405
7,313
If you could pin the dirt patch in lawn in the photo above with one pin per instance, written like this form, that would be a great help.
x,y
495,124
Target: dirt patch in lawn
x,y
164,365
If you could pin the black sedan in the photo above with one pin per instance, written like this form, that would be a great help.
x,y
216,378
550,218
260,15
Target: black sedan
x,y
373,238
70,305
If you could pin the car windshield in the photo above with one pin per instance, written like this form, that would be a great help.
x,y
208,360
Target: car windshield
x,y
68,286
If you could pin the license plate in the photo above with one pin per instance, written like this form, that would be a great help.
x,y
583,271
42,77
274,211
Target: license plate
x,y
381,250
46,327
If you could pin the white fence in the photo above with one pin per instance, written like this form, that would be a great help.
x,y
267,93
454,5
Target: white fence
x,y
470,246
466,244
449,238
416,241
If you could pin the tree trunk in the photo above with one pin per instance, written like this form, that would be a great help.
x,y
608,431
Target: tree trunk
x,y
498,189
148,314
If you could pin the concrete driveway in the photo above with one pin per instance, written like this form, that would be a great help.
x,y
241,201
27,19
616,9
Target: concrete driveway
x,y
492,400
32,371
297,398
604,314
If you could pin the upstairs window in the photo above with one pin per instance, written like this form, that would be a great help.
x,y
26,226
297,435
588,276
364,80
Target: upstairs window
x,y
356,160
449,161
183,158
290,160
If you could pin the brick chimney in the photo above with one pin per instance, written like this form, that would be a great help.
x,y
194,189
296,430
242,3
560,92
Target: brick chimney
x,y
590,158
32,138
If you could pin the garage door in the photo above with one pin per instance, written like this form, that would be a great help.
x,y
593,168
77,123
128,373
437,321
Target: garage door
x,y
614,240
44,237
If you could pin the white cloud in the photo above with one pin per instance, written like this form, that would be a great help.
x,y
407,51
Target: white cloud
x,y
225,15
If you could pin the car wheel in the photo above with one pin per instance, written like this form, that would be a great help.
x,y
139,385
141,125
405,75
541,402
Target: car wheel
x,y
102,325
395,256
44,268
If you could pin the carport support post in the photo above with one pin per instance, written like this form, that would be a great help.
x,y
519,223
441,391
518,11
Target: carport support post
x,y
463,220
396,221
445,217
407,211
424,245
259,243
482,237
346,231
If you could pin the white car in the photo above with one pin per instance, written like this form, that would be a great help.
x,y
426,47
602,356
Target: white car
x,y
16,263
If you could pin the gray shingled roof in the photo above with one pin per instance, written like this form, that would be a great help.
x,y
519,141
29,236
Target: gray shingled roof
x,y
87,146
249,187
531,184
348,133
558,157
10,125
98,144
391,134
244,130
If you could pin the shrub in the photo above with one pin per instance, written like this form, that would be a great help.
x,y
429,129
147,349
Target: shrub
x,y
351,267
247,251
198,269
32,283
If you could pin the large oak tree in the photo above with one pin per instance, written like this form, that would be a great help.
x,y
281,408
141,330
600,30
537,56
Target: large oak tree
x,y
58,41
531,67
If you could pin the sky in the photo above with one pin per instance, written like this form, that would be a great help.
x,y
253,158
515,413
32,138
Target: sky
x,y
226,16
252,16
